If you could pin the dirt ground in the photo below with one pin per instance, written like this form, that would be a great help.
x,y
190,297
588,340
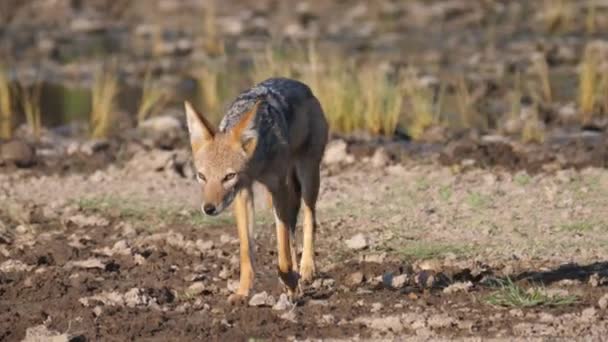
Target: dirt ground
x,y
408,251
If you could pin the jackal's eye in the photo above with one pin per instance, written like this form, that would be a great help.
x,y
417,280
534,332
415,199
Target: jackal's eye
x,y
230,176
201,177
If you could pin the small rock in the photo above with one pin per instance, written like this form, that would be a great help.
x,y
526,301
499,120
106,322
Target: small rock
x,y
440,321
357,242
262,299
283,303
17,152
290,316
93,146
589,314
41,333
399,281
97,311
429,265
135,297
594,280
356,278
82,221
458,287
328,319
376,307
603,302
336,153
380,158
204,246
15,266
86,264
196,288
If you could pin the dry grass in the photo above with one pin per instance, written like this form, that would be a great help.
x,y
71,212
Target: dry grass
x,y
469,116
6,105
420,113
275,62
557,15
541,70
105,89
213,43
29,97
533,129
152,99
590,18
383,101
589,84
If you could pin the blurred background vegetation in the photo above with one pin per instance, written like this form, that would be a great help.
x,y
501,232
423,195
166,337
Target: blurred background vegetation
x,y
427,70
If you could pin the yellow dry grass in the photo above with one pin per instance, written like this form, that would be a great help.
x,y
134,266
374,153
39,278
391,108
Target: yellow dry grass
x,y
152,99
103,101
6,106
29,98
588,84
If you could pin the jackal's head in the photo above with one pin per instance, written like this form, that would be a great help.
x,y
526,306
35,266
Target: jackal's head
x,y
220,158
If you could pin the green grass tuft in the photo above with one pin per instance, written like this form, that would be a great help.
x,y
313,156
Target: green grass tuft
x,y
511,295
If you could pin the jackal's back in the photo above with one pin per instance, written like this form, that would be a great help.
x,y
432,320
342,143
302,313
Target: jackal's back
x,y
281,97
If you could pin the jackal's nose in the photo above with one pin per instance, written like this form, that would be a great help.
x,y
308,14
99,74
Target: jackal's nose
x,y
209,209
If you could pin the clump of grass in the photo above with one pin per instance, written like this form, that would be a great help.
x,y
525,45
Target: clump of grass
x,y
209,88
6,105
522,178
588,83
275,62
446,192
213,43
30,103
577,227
424,251
152,99
477,200
511,295
590,21
383,101
469,116
541,69
216,85
337,88
557,15
533,129
419,111
103,101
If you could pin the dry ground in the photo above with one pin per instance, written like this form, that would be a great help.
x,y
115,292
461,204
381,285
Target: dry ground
x,y
406,251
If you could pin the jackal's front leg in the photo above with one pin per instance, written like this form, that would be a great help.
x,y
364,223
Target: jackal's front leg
x,y
244,214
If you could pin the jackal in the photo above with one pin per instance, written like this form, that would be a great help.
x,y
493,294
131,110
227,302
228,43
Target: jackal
x,y
275,134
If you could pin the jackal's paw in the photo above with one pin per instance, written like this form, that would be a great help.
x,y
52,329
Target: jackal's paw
x,y
237,299
307,272
290,280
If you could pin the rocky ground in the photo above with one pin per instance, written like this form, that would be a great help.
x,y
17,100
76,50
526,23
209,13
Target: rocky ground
x,y
407,250
464,234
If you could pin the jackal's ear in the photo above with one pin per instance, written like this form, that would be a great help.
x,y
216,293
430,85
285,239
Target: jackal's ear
x,y
201,131
244,132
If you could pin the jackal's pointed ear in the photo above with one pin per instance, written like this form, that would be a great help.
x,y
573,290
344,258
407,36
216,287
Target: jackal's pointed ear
x,y
201,131
244,132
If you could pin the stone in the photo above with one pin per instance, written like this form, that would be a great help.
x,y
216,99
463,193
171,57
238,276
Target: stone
x,y
17,152
356,279
357,242
399,281
262,299
283,303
